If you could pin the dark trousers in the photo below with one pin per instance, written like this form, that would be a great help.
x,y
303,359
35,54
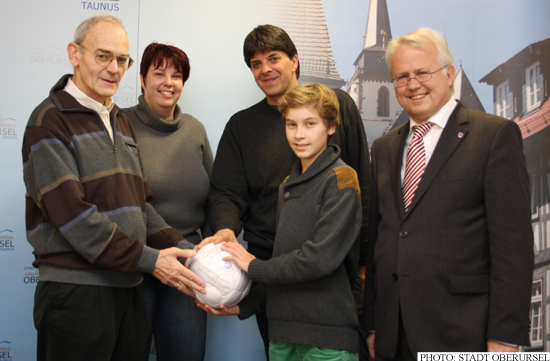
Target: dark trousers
x,y
403,351
261,317
79,322
358,296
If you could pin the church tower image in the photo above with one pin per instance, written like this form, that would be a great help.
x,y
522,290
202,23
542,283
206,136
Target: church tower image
x,y
305,23
370,86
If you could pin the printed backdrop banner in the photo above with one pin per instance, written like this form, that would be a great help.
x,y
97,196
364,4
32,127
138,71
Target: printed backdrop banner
x,y
34,36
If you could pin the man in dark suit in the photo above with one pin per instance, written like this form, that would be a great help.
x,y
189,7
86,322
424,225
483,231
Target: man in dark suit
x,y
451,238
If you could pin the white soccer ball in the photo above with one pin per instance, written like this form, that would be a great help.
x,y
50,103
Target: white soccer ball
x,y
226,283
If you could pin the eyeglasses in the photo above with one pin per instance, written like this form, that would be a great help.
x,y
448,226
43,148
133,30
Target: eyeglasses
x,y
421,77
104,59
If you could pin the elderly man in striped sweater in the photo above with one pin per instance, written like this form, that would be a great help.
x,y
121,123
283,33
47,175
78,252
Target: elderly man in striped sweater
x,y
88,210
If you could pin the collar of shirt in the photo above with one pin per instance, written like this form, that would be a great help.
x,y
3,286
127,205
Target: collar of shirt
x,y
92,104
432,137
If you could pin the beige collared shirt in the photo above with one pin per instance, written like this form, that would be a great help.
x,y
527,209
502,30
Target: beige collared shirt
x,y
89,103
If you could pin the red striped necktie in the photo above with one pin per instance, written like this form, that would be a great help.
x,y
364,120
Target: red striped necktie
x,y
415,164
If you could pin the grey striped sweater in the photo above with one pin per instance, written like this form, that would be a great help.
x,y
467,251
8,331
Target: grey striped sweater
x,y
88,203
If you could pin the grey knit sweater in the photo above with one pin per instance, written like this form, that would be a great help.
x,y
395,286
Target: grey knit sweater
x,y
315,256
178,161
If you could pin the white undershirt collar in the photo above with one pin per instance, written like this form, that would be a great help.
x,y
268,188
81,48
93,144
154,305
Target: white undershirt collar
x,y
86,101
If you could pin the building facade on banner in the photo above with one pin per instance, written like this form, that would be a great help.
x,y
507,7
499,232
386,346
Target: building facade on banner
x,y
370,86
305,23
520,93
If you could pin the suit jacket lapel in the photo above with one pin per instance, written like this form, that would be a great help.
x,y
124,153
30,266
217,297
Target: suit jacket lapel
x,y
397,146
455,131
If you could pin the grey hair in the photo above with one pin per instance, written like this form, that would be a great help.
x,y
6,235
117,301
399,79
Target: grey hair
x,y
84,28
420,39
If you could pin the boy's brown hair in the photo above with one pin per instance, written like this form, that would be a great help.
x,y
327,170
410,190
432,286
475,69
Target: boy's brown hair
x,y
315,96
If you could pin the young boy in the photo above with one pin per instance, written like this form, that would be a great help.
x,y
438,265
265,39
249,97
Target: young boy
x,y
310,306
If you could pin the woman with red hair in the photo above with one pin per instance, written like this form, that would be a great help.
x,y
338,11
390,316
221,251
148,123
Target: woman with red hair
x,y
177,160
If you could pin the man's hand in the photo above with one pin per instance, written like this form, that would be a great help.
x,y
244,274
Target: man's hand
x,y
223,235
239,255
171,272
370,344
495,346
222,311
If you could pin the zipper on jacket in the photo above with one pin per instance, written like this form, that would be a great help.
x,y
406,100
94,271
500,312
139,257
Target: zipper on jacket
x,y
88,110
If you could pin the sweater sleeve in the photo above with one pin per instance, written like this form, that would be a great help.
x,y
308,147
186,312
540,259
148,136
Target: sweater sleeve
x,y
254,303
228,196
355,152
333,237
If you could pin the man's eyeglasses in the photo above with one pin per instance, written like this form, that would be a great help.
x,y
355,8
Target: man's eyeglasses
x,y
421,77
104,59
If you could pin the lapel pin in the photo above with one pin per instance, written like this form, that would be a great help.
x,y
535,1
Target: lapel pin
x,y
460,135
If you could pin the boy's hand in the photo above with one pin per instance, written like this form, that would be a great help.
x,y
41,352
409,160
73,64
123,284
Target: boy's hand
x,y
222,311
239,255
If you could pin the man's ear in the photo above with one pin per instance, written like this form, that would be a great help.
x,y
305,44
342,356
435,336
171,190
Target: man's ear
x,y
73,50
450,74
295,62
